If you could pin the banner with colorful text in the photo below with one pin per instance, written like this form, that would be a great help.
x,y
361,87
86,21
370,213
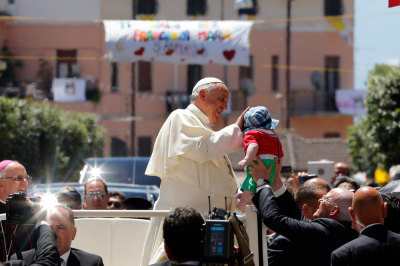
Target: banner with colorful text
x,y
182,42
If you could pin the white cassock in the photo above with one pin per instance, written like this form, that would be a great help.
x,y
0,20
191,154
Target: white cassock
x,y
190,158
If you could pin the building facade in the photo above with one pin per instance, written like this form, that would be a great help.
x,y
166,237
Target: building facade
x,y
66,39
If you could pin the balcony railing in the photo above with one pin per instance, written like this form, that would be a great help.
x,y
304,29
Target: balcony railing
x,y
177,100
180,100
308,101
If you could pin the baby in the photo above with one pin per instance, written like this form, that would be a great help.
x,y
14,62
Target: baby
x,y
259,139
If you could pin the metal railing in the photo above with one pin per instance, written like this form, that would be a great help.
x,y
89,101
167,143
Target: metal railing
x,y
181,99
310,101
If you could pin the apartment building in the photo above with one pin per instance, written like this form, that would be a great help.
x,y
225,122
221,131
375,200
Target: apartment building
x,y
66,39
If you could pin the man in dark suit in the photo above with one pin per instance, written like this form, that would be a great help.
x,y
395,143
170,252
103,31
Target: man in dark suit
x,y
307,199
182,237
313,241
376,245
17,238
46,251
61,220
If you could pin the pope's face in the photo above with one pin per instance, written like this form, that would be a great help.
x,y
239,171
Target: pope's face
x,y
216,102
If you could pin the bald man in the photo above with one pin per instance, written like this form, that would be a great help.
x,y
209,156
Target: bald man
x,y
307,199
314,240
376,245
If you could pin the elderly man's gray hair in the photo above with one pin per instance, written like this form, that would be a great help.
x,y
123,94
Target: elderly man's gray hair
x,y
204,84
208,87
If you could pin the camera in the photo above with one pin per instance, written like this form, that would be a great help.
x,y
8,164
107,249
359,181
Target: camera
x,y
18,211
218,238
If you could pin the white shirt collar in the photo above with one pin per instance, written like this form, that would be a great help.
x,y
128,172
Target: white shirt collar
x,y
65,256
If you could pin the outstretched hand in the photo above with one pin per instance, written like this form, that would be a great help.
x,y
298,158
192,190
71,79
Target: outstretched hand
x,y
259,171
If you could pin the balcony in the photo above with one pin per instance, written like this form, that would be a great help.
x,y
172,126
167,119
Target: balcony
x,y
177,100
308,101
181,99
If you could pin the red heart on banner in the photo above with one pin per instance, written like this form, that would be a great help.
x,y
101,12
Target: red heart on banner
x,y
229,54
201,51
169,52
140,51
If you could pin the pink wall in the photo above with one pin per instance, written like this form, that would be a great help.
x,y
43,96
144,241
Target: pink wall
x,y
114,110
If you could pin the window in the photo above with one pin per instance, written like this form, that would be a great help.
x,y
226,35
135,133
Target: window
x,y
275,73
332,81
196,7
328,135
67,66
333,8
114,77
246,71
118,147
144,76
246,84
147,7
194,74
144,144
253,10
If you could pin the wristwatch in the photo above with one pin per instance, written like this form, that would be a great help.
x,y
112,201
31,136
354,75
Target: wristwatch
x,y
261,182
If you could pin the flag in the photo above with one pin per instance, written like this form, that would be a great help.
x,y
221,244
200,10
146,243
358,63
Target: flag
x,y
338,24
393,3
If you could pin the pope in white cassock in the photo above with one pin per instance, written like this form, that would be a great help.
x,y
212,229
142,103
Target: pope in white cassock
x,y
190,158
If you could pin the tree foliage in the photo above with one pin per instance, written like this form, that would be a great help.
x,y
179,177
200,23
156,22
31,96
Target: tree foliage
x,y
51,143
375,140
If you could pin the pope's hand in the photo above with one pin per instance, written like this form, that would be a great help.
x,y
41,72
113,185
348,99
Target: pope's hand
x,y
240,120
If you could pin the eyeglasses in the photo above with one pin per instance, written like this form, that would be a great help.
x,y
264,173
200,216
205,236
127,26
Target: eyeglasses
x,y
19,178
98,194
115,203
325,198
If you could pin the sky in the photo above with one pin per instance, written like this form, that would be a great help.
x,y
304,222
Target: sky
x,y
376,37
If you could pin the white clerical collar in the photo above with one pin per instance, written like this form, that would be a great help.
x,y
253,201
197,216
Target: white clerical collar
x,y
65,256
202,116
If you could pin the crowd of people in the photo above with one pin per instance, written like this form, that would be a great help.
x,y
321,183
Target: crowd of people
x,y
320,222
306,222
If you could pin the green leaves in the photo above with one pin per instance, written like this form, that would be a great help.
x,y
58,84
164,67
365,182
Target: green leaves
x,y
374,141
51,143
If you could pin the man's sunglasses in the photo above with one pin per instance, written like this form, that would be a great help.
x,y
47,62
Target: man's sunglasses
x,y
115,203
98,194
